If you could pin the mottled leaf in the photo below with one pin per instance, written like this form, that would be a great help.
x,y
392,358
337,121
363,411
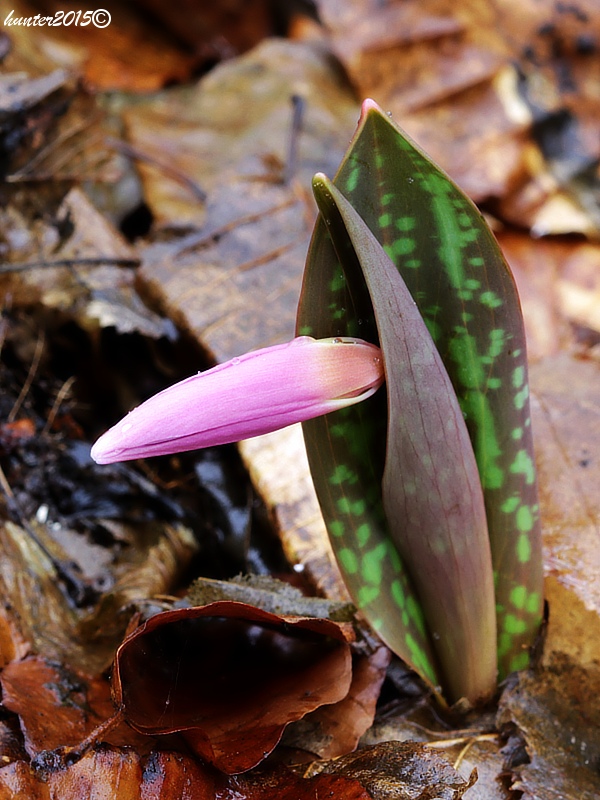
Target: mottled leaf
x,y
456,274
430,490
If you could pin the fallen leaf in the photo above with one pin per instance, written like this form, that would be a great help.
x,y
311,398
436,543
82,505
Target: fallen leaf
x,y
566,420
59,707
331,730
230,677
399,770
226,130
537,266
506,101
556,713
334,730
393,770
268,594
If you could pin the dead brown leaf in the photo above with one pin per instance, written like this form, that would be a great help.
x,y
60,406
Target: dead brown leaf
x,y
557,714
504,98
230,677
393,770
235,125
559,287
59,707
566,420
334,730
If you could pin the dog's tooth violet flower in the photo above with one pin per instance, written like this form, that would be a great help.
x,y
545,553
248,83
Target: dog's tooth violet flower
x,y
256,393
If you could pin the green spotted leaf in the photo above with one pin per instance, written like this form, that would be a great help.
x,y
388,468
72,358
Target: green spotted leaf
x,y
430,478
465,293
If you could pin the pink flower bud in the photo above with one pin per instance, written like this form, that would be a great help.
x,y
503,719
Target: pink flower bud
x,y
256,393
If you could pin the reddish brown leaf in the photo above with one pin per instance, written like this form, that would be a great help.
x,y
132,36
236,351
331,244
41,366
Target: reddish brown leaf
x,y
18,781
332,731
230,677
57,706
403,771
165,776
12,644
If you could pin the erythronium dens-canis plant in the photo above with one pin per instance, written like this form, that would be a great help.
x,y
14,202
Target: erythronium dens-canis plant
x,y
428,489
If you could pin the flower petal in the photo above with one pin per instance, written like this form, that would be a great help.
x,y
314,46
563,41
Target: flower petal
x,y
247,396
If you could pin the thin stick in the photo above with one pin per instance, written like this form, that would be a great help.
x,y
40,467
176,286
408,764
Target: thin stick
x,y
62,393
63,574
270,256
202,239
97,735
12,504
168,169
28,170
461,756
298,106
39,348
71,262
467,741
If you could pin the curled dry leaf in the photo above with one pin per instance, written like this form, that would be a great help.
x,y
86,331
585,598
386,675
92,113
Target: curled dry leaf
x,y
332,730
229,677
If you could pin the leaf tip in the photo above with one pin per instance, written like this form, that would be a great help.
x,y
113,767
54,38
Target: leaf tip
x,y
369,105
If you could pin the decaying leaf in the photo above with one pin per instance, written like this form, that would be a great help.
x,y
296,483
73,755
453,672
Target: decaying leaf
x,y
97,295
556,713
269,594
230,677
399,771
59,707
331,730
392,771
334,730
566,419
505,99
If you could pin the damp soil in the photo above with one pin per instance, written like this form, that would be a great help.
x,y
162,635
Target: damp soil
x,y
61,386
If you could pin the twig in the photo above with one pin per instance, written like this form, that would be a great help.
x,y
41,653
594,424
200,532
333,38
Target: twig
x,y
168,169
39,348
299,107
62,393
98,734
28,172
270,256
201,239
466,741
71,262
